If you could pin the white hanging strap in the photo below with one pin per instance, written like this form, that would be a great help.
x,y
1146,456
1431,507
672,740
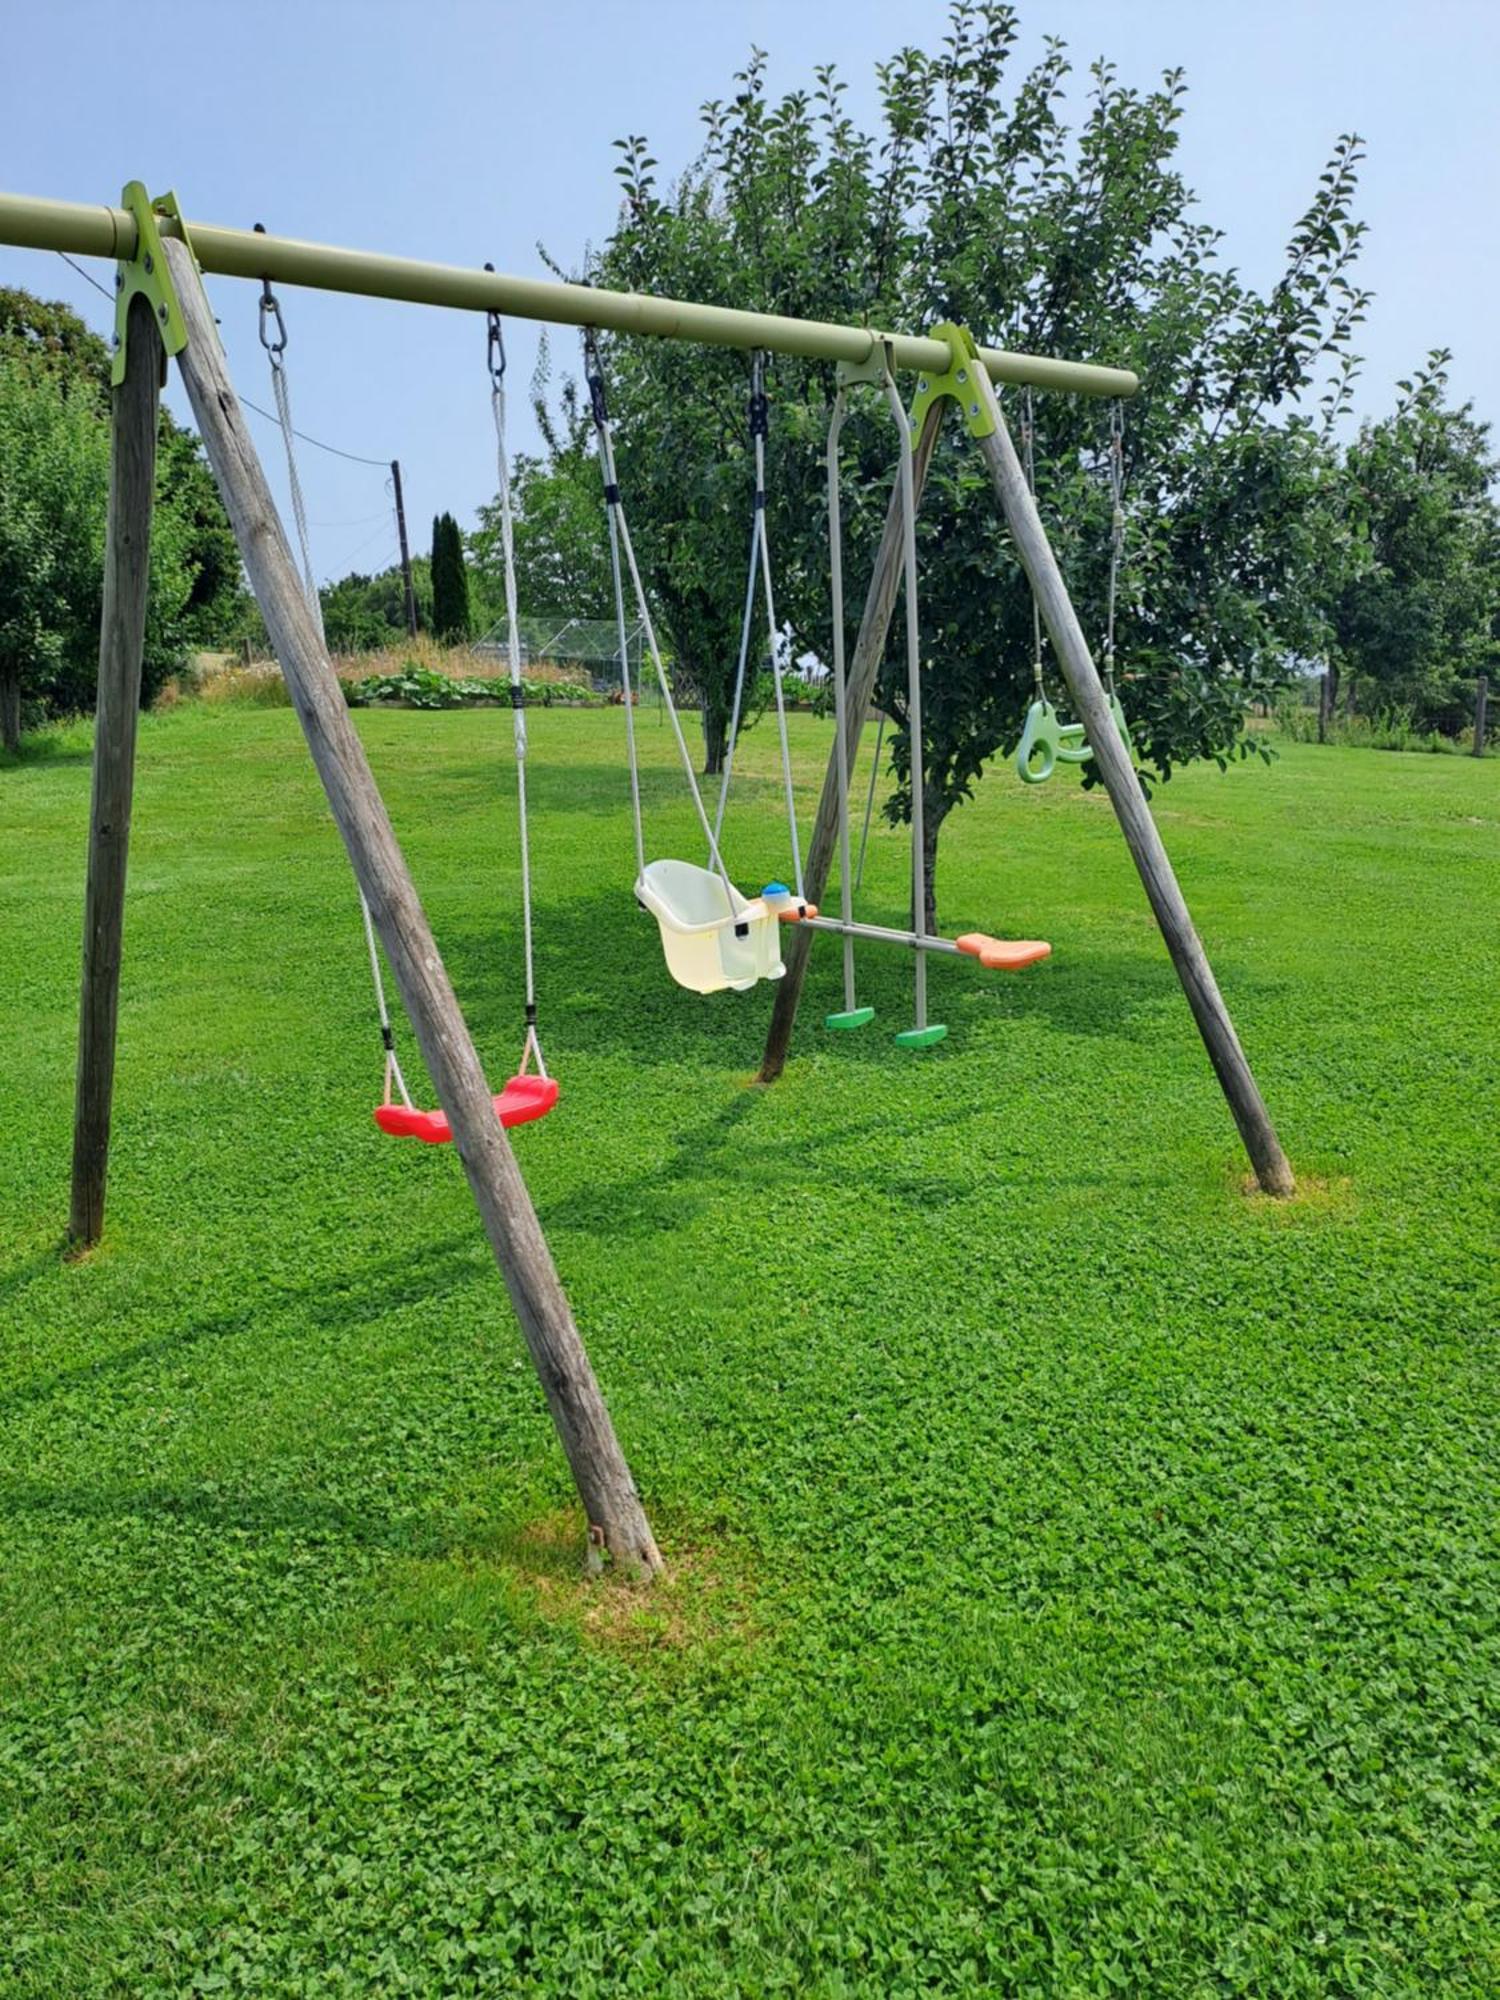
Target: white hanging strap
x,y
387,1036
595,378
746,623
864,838
496,360
759,423
620,544
273,340
752,576
760,566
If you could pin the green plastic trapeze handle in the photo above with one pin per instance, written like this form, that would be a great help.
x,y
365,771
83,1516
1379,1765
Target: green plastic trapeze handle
x,y
858,1017
920,1038
1042,743
1047,742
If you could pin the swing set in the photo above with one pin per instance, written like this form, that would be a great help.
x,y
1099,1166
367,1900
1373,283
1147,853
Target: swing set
x,y
712,935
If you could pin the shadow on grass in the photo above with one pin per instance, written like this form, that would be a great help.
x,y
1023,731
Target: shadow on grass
x,y
213,1510
19,1276
48,746
600,966
328,1302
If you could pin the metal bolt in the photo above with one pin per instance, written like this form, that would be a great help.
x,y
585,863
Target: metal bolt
x,y
963,374
161,314
922,384
148,263
119,281
973,409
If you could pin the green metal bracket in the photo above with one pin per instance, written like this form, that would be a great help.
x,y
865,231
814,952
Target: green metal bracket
x,y
962,382
874,368
146,273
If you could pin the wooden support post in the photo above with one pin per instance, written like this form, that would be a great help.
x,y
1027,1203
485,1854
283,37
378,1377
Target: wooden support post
x,y
1325,703
122,634
864,665
616,1518
1091,706
1481,712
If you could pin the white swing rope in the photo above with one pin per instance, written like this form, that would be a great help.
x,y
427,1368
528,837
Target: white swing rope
x,y
760,559
273,340
620,542
747,622
864,838
531,1049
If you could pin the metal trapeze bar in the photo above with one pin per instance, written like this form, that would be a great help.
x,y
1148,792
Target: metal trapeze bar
x,y
877,934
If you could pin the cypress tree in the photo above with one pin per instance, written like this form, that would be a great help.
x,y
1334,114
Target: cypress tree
x,y
450,581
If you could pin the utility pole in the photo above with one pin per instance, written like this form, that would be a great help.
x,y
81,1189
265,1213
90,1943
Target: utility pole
x,y
411,595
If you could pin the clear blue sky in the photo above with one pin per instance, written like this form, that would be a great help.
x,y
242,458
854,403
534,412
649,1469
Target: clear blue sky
x,y
465,130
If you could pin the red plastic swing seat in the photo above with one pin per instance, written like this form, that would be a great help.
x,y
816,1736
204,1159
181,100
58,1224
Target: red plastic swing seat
x,y
523,1098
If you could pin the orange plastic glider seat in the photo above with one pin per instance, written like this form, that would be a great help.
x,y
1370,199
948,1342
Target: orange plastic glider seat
x,y
523,1098
1003,954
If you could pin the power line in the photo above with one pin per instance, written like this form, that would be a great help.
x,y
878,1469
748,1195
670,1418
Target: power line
x,y
87,276
383,464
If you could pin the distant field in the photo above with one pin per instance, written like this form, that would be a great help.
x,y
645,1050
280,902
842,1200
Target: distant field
x,y
1084,1576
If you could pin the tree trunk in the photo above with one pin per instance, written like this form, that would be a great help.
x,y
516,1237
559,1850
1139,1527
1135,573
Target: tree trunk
x,y
715,736
935,810
10,707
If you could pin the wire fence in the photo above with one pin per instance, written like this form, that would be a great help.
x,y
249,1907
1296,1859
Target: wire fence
x,y
589,644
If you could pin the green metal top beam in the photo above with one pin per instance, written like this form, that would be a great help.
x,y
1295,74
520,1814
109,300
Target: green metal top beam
x,y
86,230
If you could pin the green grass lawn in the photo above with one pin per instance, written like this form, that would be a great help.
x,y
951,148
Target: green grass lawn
x,y
1084,1576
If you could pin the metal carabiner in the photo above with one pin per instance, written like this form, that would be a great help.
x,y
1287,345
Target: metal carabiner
x,y
495,349
270,313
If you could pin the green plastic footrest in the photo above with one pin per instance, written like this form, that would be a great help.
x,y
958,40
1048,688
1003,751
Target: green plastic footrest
x,y
920,1038
857,1017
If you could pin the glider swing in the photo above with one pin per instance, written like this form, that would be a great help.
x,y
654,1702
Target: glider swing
x,y
528,1094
